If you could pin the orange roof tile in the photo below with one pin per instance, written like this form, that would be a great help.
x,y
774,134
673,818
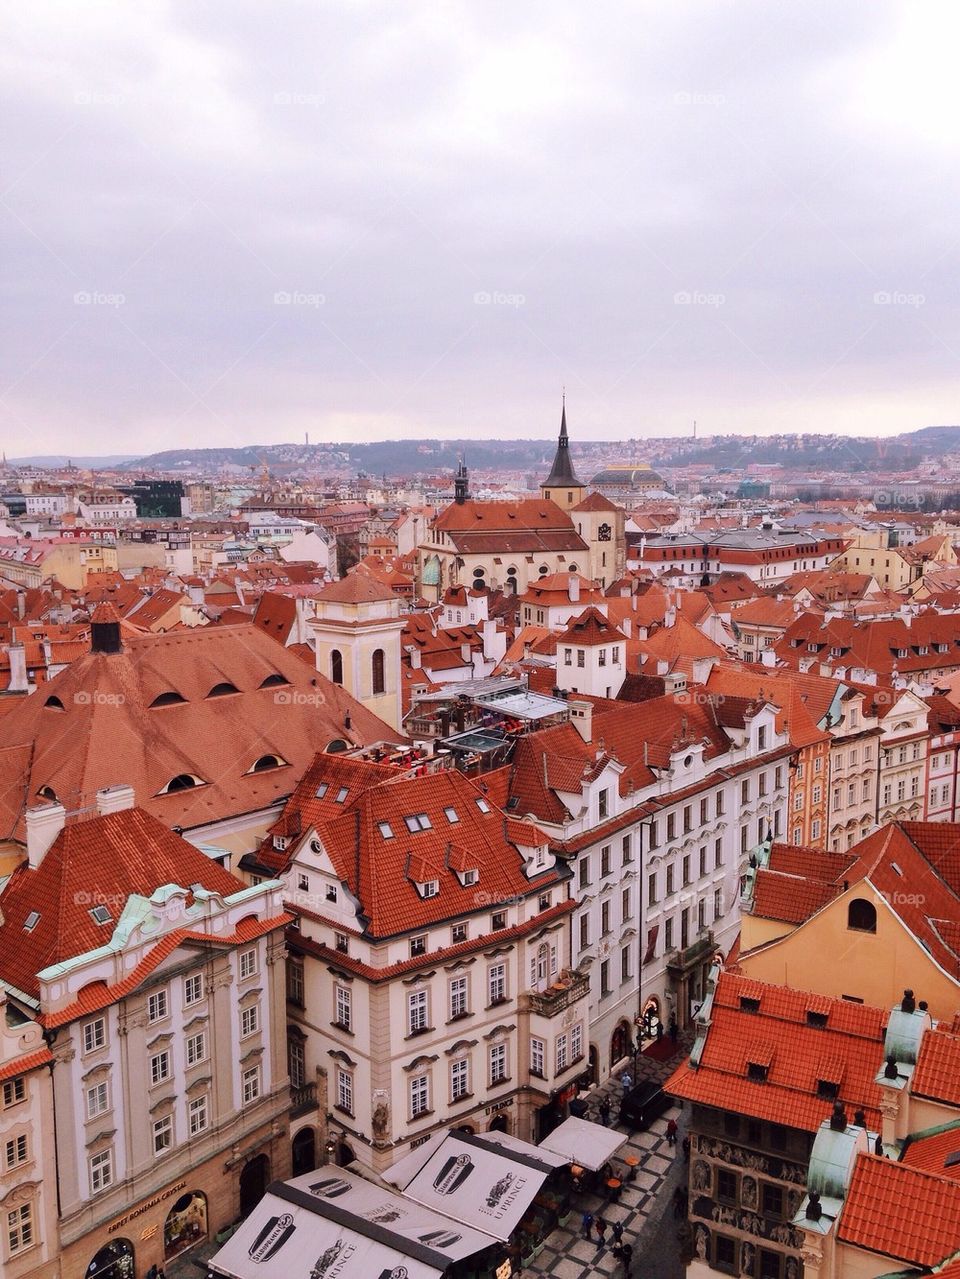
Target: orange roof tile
x,y
901,1212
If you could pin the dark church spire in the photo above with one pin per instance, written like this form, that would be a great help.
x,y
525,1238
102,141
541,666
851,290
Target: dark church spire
x,y
460,484
562,476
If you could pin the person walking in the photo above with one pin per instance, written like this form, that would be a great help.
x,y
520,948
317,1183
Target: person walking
x,y
672,1131
626,1256
626,1079
587,1224
600,1226
617,1231
605,1112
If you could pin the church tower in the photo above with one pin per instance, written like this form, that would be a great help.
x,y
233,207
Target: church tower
x,y
561,485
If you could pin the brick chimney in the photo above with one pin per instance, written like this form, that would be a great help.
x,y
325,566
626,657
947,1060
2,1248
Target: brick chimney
x,y
44,824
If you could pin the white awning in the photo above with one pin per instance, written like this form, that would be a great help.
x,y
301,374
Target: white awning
x,y
525,1148
331,1222
582,1142
466,1179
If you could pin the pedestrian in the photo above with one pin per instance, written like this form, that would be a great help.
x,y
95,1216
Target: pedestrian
x,y
605,1112
600,1226
626,1079
672,1131
673,1028
626,1256
617,1231
587,1224
686,1148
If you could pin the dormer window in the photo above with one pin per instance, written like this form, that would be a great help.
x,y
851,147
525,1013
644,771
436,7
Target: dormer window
x,y
827,1089
749,1004
183,781
223,689
430,889
819,1020
469,877
267,762
756,1072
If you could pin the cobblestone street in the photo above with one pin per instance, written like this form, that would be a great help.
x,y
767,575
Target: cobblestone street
x,y
644,1208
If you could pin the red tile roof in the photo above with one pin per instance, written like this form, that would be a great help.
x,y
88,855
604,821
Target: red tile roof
x,y
849,1049
901,1212
930,1151
21,1065
937,1074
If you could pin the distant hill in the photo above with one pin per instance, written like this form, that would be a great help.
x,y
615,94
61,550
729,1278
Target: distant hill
x,y
62,459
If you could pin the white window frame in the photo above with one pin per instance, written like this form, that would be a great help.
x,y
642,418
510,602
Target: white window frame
x,y
99,1095
248,963
94,1035
158,1006
419,1093
249,1020
198,1114
157,1061
100,1167
162,1134
251,1085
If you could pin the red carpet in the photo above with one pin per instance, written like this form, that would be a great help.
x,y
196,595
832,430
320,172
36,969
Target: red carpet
x,y
662,1049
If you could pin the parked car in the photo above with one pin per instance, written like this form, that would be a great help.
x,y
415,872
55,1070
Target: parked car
x,y
643,1104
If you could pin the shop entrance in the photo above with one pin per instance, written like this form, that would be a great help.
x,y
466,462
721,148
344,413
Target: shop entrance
x,y
304,1152
253,1183
114,1261
186,1224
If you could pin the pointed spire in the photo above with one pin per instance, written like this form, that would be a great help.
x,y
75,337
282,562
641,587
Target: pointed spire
x,y
562,474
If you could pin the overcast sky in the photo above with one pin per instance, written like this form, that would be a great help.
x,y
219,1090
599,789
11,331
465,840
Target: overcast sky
x,y
226,223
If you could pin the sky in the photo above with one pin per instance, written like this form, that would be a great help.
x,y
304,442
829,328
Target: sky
x,y
230,223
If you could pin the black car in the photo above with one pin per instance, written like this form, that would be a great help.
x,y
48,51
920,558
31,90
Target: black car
x,y
643,1104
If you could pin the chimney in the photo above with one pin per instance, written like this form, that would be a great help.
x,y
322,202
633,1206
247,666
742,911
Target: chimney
x,y
908,1003
21,604
573,588
44,824
18,669
838,1120
114,799
581,714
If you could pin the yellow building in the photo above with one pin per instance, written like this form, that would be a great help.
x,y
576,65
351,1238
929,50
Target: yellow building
x,y
864,925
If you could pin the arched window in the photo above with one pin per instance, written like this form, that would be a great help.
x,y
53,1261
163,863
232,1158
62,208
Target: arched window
x,y
336,666
182,781
379,681
266,762
862,915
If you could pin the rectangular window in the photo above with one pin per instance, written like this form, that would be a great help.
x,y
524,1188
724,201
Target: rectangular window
x,y
419,1096
101,1171
651,888
561,1054
497,983
727,1186
603,803
251,1085
195,1048
295,981
704,812
459,1079
162,1134
568,657
248,963
416,1012
718,854
668,934
770,1264
98,1101
458,997
745,791
192,989
20,1228
654,834
584,931
159,1067
249,1020
604,861
717,903
604,918
537,1056
451,815
605,978
627,849
625,963
15,1151
343,1007
94,1035
725,1254
418,945
342,943
772,1200
157,1006
345,1091
686,870
703,861
625,911
584,871
687,819
458,933
498,1063
197,1115
581,658
670,879
498,921
719,803
576,1042
671,826
14,1091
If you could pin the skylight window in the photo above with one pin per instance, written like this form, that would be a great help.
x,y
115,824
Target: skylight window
x,y
341,794
417,821
322,789
451,815
386,830
100,915
31,921
483,805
